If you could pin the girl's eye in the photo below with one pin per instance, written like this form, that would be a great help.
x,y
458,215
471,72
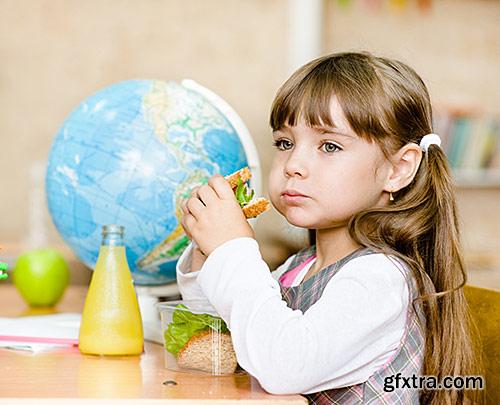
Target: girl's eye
x,y
283,144
330,147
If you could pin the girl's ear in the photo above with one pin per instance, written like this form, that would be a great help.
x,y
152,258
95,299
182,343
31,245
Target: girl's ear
x,y
405,163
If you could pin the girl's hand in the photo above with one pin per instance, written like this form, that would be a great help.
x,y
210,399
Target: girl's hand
x,y
197,256
213,216
197,259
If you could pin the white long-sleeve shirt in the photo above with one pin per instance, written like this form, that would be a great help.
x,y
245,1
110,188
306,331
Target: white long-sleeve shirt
x,y
352,331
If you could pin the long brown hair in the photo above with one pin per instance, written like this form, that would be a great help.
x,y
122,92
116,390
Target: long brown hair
x,y
385,101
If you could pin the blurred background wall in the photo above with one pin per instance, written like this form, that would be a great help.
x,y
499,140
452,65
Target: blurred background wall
x,y
55,53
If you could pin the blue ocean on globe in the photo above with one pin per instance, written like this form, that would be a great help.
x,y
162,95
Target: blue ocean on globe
x,y
129,155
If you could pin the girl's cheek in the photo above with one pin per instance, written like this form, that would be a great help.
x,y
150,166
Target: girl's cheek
x,y
274,185
273,172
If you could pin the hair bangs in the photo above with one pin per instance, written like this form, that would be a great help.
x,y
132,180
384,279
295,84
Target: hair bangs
x,y
303,96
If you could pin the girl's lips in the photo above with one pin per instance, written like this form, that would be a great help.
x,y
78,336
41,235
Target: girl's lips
x,y
293,197
293,193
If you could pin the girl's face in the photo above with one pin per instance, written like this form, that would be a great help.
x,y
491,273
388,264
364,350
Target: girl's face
x,y
320,177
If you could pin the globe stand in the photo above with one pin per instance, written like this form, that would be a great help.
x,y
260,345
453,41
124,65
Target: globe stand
x,y
148,297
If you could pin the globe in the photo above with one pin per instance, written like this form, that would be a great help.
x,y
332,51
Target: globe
x,y
128,155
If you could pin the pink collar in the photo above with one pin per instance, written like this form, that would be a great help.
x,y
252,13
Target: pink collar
x,y
289,277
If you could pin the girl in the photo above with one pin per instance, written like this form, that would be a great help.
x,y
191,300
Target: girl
x,y
378,295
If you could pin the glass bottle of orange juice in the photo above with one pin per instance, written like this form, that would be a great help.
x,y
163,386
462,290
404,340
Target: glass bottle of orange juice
x,y
111,321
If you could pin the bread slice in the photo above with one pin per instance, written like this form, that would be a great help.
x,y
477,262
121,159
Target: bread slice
x,y
243,174
256,207
209,351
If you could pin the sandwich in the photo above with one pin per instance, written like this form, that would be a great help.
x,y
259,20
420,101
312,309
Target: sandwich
x,y
210,352
200,342
251,207
174,244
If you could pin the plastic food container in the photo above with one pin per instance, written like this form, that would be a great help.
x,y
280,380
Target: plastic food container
x,y
196,339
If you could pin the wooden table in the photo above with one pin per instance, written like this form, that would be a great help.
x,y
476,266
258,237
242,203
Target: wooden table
x,y
66,376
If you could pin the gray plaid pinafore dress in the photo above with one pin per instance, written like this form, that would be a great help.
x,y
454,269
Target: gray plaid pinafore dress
x,y
407,360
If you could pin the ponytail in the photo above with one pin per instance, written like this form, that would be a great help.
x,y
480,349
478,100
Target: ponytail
x,y
421,228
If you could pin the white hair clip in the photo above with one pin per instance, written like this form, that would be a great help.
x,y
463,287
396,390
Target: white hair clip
x,y
429,139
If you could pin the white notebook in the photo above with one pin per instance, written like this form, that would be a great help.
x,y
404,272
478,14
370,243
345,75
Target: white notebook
x,y
39,333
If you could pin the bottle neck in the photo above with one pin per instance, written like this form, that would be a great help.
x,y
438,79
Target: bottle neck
x,y
112,240
112,235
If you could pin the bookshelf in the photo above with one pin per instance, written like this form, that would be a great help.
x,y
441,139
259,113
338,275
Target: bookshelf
x,y
471,141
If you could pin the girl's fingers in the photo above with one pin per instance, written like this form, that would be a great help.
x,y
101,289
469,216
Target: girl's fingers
x,y
194,193
194,206
206,194
184,225
184,207
188,221
221,187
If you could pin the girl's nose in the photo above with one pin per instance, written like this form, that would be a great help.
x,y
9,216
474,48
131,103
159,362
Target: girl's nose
x,y
296,165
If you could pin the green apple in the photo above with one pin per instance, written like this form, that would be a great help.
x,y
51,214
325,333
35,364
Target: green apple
x,y
41,276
